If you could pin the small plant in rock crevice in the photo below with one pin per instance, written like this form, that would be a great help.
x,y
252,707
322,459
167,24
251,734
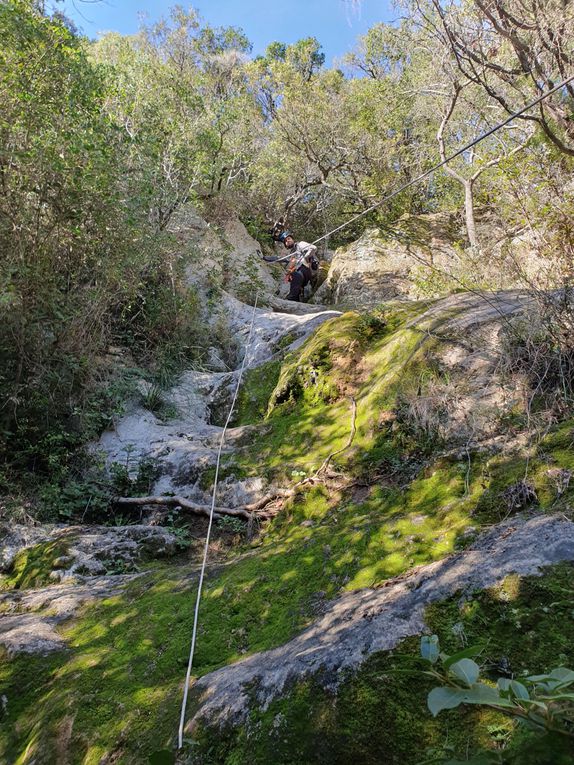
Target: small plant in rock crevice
x,y
232,525
371,324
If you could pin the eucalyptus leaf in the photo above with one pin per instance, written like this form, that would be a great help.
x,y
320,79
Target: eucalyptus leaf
x,y
430,648
467,653
466,670
564,675
444,698
484,694
519,690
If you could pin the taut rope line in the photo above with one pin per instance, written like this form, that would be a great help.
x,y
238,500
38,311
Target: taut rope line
x,y
388,197
208,535
456,154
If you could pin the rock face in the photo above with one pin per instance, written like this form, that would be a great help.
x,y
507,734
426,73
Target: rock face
x,y
425,256
185,445
360,623
29,619
88,550
84,566
225,255
463,401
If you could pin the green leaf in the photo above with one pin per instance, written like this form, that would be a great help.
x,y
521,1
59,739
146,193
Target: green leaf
x,y
503,684
484,694
444,698
430,648
564,675
467,653
519,690
466,670
537,678
559,697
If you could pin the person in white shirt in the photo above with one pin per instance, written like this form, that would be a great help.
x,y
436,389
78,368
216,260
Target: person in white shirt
x,y
303,266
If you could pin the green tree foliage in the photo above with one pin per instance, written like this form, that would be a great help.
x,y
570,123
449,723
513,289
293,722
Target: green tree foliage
x,y
67,235
102,143
182,102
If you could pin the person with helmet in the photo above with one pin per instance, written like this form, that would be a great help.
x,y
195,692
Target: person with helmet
x,y
303,266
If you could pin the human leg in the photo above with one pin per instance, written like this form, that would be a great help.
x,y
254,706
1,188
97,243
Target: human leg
x,y
296,285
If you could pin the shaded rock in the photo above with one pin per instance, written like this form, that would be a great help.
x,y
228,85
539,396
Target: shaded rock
x,y
223,254
464,397
91,550
15,537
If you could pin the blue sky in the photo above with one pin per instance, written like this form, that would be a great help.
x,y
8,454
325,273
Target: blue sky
x,y
335,23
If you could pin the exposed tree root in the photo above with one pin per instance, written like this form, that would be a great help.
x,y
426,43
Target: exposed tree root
x,y
255,510
187,504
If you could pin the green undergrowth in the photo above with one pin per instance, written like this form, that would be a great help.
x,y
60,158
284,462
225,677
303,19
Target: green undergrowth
x,y
379,714
115,692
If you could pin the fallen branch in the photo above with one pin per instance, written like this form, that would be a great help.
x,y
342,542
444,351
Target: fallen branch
x,y
238,512
253,510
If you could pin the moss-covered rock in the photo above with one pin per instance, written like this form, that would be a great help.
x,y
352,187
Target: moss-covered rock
x,y
33,566
379,713
401,501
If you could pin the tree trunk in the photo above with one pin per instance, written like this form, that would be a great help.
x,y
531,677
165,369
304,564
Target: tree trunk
x,y
469,213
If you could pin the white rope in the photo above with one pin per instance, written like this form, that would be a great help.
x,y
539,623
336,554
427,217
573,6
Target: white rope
x,y
456,154
320,239
208,535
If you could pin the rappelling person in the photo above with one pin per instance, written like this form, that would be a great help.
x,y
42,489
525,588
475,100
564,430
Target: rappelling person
x,y
303,266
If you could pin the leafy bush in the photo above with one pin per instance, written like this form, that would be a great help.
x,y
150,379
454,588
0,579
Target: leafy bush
x,y
542,704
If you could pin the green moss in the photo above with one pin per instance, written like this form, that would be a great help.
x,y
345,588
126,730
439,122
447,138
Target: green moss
x,y
285,341
253,399
309,412
120,680
379,715
545,467
33,565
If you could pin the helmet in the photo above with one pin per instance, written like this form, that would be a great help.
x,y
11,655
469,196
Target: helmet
x,y
283,236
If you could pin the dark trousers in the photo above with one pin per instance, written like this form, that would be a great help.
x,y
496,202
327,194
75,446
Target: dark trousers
x,y
299,279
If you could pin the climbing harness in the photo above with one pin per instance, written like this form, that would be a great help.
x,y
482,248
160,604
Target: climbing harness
x,y
209,526
248,344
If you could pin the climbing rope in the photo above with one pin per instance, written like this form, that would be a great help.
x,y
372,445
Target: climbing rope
x,y
210,524
326,236
456,154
